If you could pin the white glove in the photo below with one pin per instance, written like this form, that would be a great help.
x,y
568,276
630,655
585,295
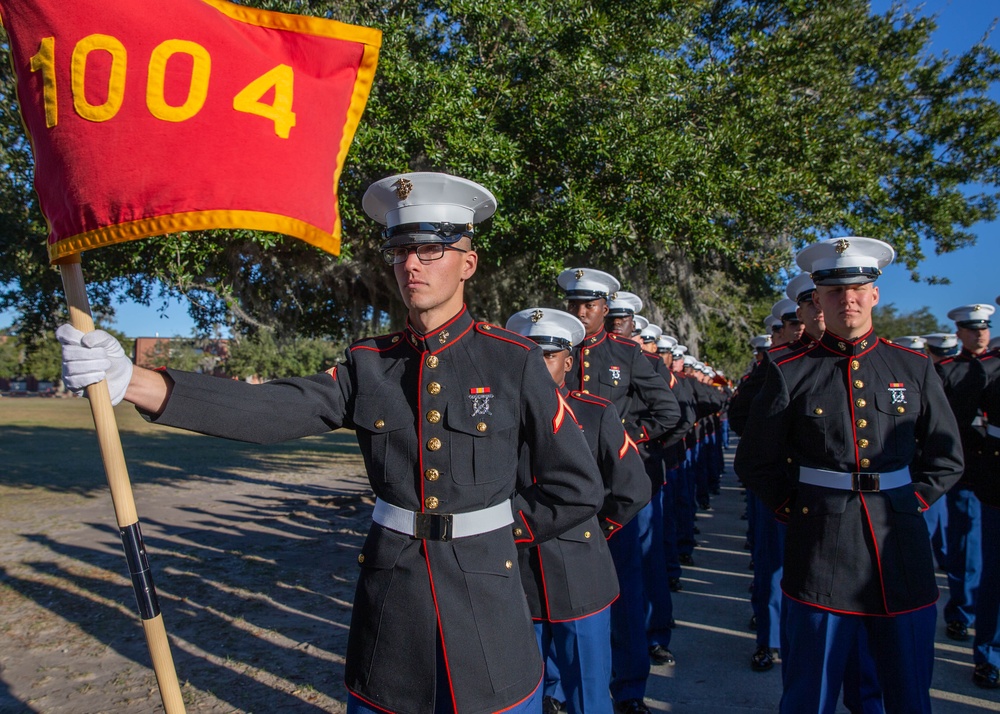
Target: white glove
x,y
89,358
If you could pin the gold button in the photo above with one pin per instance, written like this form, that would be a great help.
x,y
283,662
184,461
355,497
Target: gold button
x,y
788,510
487,327
432,361
361,558
432,474
586,378
858,384
395,339
616,382
586,391
789,459
862,423
861,403
611,527
805,509
434,443
818,410
586,534
586,364
586,351
481,426
863,443
379,424
865,463
900,409
508,565
433,416
434,388
431,502
855,364
518,532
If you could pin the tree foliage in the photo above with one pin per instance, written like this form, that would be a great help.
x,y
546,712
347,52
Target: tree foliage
x,y
891,323
687,146
264,357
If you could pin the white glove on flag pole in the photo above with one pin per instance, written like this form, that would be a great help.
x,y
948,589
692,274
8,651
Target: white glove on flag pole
x,y
90,357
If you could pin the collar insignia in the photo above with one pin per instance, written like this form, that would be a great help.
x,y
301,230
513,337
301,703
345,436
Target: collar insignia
x,y
443,336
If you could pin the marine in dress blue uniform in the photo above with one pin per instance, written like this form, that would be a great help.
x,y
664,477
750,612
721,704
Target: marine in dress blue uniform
x,y
441,409
986,643
570,580
831,445
964,377
614,367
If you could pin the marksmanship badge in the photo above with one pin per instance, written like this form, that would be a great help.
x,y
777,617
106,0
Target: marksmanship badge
x,y
480,397
616,372
898,392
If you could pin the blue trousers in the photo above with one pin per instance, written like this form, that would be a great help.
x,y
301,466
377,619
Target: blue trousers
x,y
817,645
686,505
768,556
669,504
937,525
965,555
629,648
986,645
659,606
577,657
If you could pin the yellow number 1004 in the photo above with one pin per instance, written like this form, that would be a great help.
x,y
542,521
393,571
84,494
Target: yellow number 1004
x,y
248,100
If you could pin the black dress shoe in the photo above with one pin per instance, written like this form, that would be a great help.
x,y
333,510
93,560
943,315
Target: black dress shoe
x,y
986,676
957,631
631,706
685,559
551,705
675,585
762,660
658,654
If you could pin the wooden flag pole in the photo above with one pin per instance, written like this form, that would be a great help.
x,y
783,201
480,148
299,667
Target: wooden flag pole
x,y
121,495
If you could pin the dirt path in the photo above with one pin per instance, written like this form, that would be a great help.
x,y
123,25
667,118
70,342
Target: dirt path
x,y
255,574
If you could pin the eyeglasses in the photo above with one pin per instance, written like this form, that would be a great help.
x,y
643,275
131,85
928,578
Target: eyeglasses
x,y
426,252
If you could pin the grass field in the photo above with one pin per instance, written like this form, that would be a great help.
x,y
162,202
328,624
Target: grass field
x,y
50,444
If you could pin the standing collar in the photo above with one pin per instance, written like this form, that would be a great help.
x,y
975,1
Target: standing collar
x,y
966,354
595,339
846,347
441,337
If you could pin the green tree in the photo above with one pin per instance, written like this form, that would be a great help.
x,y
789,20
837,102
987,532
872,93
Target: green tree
x,y
264,357
890,323
10,356
688,146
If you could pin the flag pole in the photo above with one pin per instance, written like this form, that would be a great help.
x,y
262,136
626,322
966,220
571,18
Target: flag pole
x,y
121,495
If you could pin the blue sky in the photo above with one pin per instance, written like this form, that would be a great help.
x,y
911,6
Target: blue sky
x,y
961,23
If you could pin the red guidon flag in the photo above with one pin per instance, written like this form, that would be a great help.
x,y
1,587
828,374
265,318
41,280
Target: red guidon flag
x,y
152,117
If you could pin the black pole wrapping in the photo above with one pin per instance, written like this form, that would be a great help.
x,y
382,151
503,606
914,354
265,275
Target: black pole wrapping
x,y
138,568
